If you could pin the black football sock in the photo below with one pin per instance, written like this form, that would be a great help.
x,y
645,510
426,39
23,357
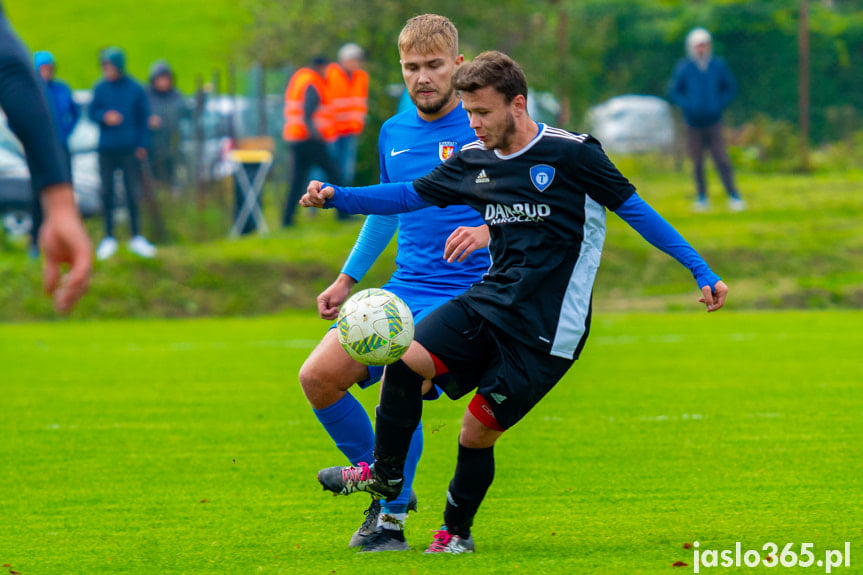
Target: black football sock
x,y
398,415
474,472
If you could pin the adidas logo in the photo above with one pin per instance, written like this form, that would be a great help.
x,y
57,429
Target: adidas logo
x,y
498,397
482,178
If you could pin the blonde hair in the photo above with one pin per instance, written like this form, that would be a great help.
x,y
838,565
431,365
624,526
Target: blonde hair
x,y
429,33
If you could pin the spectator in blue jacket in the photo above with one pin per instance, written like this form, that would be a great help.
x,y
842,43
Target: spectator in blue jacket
x,y
65,113
703,86
121,110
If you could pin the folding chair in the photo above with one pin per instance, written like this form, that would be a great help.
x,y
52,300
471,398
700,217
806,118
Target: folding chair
x,y
244,161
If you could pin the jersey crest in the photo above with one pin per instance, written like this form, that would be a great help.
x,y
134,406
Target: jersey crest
x,y
541,175
446,149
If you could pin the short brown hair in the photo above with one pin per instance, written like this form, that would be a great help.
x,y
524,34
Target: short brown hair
x,y
429,33
495,69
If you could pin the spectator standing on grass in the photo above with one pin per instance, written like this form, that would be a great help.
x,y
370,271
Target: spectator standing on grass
x,y
167,109
349,86
65,113
121,110
703,86
309,128
62,238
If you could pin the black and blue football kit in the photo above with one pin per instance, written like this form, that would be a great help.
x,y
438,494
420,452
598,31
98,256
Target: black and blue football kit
x,y
545,206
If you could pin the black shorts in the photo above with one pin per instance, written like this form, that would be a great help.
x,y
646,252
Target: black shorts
x,y
509,377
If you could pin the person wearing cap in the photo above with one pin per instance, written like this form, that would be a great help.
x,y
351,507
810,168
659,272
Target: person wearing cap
x,y
65,113
703,86
309,128
167,109
121,110
62,238
349,87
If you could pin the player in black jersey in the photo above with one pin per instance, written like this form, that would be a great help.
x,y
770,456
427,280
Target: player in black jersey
x,y
543,193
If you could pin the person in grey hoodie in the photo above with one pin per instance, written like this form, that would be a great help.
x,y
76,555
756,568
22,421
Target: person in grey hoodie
x,y
167,109
121,110
703,86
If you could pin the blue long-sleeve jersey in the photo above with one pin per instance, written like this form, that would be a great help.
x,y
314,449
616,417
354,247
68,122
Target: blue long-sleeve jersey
x,y
410,147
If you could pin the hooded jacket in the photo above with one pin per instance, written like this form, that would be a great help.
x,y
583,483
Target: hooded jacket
x,y
64,110
168,105
703,88
127,97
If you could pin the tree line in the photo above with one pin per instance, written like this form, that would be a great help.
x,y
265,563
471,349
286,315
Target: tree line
x,y
586,51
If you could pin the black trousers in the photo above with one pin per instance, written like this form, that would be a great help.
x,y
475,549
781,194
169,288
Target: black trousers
x,y
110,161
710,138
305,155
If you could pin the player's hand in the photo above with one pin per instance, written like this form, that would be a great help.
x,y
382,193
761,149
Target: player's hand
x,y
64,240
464,241
334,296
714,298
315,195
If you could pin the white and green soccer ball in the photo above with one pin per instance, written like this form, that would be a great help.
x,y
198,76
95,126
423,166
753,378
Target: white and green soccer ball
x,y
375,327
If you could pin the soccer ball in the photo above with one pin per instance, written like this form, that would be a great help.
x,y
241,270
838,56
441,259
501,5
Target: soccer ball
x,y
375,327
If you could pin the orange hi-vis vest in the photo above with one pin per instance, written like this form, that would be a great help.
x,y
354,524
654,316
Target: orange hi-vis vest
x,y
295,96
350,98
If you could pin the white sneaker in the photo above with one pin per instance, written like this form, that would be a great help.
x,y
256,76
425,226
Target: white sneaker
x,y
701,206
736,205
107,248
139,245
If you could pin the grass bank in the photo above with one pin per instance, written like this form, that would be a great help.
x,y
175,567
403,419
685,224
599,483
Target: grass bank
x,y
196,36
799,245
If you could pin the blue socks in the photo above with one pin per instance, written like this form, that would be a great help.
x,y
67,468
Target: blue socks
x,y
350,427
348,424
400,504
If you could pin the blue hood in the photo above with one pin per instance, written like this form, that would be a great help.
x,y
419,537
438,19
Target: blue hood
x,y
43,57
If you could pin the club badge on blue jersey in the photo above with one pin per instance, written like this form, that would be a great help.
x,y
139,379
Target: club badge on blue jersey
x,y
446,149
541,175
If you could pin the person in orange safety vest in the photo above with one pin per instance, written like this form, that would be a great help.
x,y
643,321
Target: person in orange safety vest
x,y
309,127
349,87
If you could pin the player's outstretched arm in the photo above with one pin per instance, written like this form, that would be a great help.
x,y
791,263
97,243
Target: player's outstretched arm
x,y
64,241
464,241
382,199
660,234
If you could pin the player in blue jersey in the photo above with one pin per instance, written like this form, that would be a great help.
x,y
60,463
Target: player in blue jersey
x,y
544,193
441,252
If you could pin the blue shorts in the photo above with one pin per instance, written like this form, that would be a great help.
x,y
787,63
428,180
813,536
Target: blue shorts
x,y
421,303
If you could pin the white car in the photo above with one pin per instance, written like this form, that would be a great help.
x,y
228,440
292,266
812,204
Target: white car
x,y
631,123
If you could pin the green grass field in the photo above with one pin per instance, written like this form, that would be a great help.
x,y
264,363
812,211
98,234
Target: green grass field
x,y
186,446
